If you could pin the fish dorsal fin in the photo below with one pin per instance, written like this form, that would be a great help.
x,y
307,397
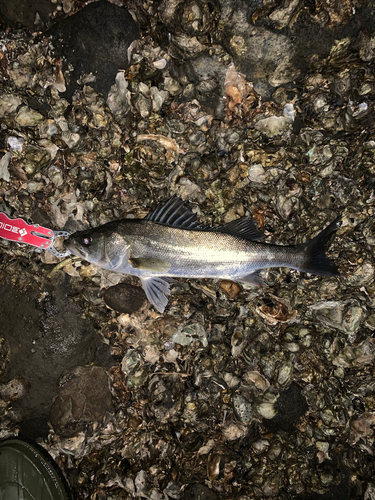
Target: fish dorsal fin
x,y
176,213
245,228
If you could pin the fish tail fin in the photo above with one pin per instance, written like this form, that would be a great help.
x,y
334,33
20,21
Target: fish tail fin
x,y
315,259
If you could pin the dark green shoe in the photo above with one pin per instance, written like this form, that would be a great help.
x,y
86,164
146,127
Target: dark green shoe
x,y
27,472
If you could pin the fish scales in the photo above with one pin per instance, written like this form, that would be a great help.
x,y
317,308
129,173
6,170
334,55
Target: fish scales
x,y
170,242
206,254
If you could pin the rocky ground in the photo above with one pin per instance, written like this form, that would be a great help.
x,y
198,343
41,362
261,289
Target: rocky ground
x,y
235,392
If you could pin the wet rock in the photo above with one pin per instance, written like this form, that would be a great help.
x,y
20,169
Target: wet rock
x,y
45,339
83,396
262,55
124,298
86,38
28,13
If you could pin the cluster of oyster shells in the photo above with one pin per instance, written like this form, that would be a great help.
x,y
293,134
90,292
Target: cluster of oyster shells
x,y
234,392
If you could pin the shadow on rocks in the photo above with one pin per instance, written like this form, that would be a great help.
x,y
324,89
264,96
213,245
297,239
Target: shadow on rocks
x,y
45,334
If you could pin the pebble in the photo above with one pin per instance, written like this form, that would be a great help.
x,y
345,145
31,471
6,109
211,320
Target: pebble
x,y
230,288
124,298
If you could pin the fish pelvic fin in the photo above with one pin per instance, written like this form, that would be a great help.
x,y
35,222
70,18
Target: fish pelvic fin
x,y
253,279
316,261
156,289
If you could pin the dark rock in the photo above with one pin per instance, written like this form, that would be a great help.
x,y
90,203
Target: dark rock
x,y
199,492
290,407
274,47
40,216
24,13
83,396
124,298
96,40
344,490
45,334
262,55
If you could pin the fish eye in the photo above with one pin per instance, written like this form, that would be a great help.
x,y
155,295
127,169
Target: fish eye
x,y
86,240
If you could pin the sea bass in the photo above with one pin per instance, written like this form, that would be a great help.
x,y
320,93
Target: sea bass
x,y
170,242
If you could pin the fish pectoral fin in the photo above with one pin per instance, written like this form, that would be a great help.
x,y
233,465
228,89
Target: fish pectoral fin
x,y
150,264
156,290
253,279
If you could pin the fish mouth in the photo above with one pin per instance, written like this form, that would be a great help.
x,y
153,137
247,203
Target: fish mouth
x,y
70,246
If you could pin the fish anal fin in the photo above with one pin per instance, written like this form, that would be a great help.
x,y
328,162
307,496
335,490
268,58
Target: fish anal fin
x,y
150,264
253,279
156,290
245,228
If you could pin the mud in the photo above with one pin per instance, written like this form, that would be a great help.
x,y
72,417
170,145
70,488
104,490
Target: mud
x,y
46,334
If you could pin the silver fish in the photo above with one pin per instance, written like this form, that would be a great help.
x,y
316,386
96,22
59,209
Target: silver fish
x,y
170,242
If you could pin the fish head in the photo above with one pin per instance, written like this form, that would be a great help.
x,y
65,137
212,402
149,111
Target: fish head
x,y
102,246
88,245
